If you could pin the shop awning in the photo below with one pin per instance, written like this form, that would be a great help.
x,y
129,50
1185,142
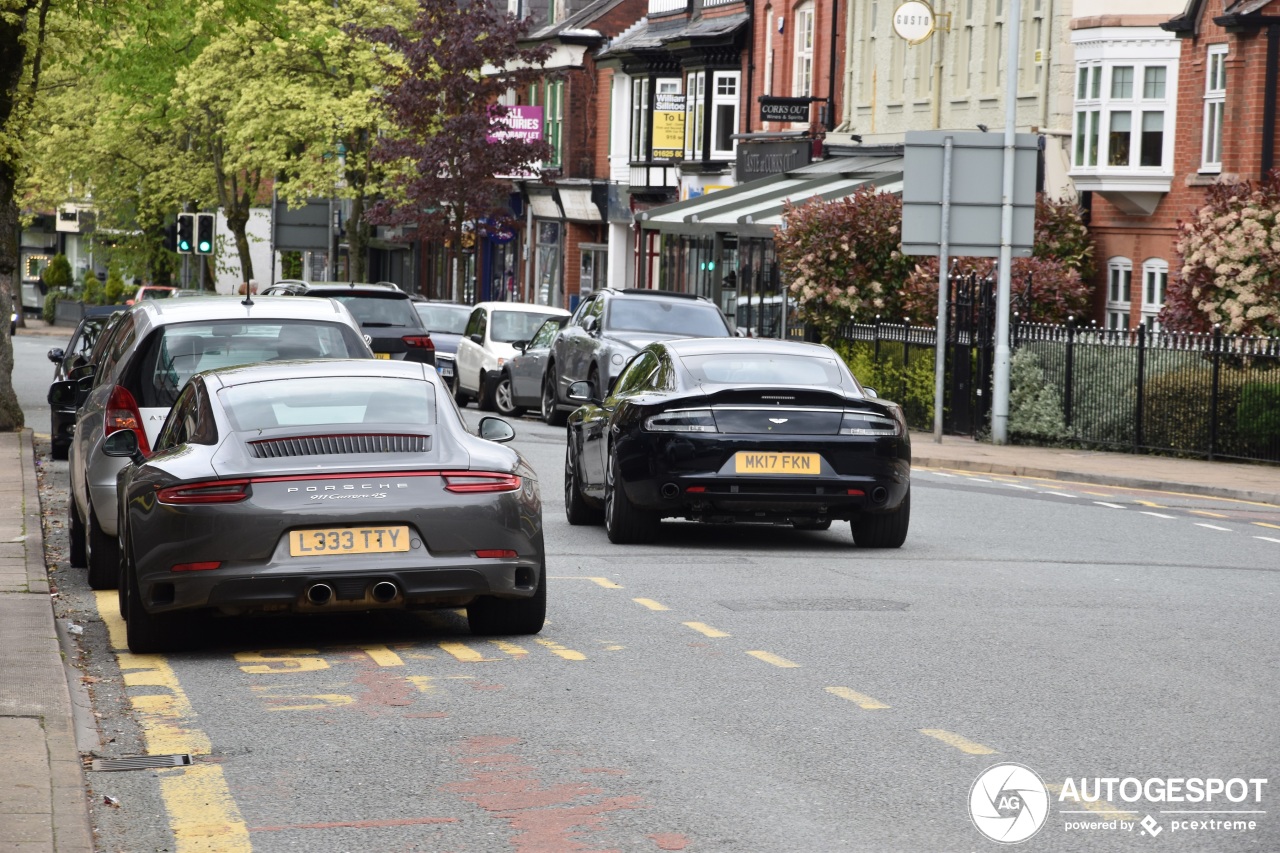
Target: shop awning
x,y
755,208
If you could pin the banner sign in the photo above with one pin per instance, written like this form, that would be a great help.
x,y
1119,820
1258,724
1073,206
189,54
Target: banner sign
x,y
784,109
668,126
520,123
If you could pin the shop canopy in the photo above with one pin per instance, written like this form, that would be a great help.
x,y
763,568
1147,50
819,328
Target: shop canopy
x,y
755,208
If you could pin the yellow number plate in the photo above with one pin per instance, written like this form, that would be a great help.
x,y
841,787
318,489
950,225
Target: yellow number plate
x,y
382,355
745,462
348,540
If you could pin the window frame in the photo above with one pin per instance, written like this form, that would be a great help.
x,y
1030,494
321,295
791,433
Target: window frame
x,y
1098,108
1119,292
802,66
1215,107
1154,271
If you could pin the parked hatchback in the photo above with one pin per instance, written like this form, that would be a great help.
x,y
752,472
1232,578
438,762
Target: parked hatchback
x,y
489,342
610,327
385,313
143,364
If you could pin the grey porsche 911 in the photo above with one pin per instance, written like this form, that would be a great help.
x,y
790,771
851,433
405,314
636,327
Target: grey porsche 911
x,y
322,486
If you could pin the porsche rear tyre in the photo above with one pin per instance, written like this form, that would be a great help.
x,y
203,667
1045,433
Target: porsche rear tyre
x,y
883,529
576,508
625,523
489,616
75,533
147,633
103,556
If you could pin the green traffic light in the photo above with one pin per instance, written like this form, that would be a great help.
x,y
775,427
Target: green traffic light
x,y
206,248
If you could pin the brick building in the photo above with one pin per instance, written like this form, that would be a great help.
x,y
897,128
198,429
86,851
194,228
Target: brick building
x,y
1165,106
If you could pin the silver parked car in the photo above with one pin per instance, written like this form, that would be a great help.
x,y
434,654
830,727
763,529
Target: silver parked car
x,y
141,368
520,384
350,485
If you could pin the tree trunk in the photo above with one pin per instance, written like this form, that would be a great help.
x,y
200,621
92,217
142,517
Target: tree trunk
x,y
358,240
10,411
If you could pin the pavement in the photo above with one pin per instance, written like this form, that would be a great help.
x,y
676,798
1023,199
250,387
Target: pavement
x,y
43,799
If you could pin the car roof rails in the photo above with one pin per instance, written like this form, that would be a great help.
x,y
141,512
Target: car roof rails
x,y
644,291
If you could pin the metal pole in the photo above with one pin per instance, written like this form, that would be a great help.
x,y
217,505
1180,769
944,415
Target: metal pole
x,y
944,285
1000,380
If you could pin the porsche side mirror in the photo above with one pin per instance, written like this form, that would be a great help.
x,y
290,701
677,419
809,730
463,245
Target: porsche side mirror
x,y
492,429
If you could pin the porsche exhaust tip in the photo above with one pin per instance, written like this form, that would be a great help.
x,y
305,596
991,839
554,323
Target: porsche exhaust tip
x,y
385,591
669,490
319,593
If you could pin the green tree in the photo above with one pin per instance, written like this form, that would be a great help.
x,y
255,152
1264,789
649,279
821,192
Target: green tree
x,y
57,276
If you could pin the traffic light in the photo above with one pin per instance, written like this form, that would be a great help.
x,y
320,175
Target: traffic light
x,y
186,232
204,233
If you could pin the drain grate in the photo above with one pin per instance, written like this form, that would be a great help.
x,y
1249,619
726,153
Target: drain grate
x,y
142,762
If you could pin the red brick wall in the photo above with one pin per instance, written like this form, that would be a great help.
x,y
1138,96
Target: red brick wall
x,y
766,18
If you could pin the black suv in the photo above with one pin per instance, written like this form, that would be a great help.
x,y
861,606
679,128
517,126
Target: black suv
x,y
385,313
609,327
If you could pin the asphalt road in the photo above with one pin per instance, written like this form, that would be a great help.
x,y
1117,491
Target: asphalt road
x,y
732,689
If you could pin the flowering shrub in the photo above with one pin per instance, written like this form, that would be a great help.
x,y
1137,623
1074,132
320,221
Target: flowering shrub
x,y
843,258
1230,262
1048,287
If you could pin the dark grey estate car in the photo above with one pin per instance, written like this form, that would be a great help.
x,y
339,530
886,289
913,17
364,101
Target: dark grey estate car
x,y
349,485
385,313
609,327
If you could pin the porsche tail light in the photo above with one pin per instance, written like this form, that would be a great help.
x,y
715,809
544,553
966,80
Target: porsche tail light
x,y
496,553
197,567
682,420
212,492
419,341
465,482
122,413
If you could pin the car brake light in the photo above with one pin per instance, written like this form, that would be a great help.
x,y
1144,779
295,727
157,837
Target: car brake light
x,y
682,420
196,567
122,413
419,341
212,492
496,553
696,489
464,482
869,423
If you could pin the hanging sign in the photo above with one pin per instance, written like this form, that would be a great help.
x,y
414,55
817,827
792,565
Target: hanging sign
x,y
914,21
668,126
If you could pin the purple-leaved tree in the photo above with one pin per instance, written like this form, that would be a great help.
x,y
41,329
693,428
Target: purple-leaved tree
x,y
455,64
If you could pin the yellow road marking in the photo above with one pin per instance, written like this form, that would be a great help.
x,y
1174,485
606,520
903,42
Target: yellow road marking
x,y
604,582
650,603
465,653
319,700
202,813
1098,494
510,648
281,660
1102,807
961,743
1151,504
382,655
424,683
773,659
703,628
1264,524
864,702
561,651
1209,514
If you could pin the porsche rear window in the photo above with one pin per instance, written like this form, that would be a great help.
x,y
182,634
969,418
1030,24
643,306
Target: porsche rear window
x,y
764,369
329,401
181,350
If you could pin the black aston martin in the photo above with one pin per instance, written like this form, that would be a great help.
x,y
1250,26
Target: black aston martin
x,y
321,486
738,430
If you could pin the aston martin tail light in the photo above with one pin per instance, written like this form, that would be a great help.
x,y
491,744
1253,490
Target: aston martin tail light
x,y
682,420
869,423
465,482
122,413
212,492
